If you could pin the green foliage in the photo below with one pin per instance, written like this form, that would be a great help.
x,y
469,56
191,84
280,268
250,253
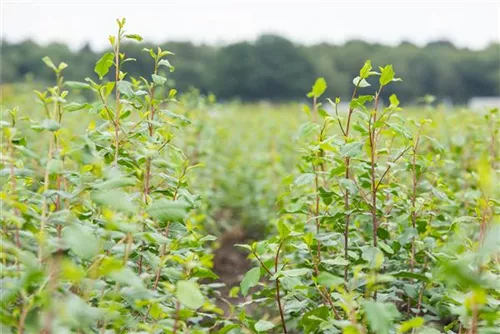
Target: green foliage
x,y
104,64
97,230
189,294
277,69
373,238
374,219
251,279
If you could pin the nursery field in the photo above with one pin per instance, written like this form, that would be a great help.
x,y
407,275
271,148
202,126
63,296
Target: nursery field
x,y
130,207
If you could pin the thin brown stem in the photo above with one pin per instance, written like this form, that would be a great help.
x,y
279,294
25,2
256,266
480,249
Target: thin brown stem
x,y
316,212
373,161
176,317
22,320
262,264
147,175
414,198
117,93
163,252
475,316
338,120
347,162
127,248
278,297
389,167
43,221
326,297
14,187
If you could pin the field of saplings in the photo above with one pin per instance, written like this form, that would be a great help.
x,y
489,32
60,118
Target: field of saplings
x,y
130,207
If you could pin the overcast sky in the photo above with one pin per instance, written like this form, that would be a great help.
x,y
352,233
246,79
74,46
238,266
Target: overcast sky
x,y
471,24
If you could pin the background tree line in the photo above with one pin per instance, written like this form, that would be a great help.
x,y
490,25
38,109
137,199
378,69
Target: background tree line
x,y
275,68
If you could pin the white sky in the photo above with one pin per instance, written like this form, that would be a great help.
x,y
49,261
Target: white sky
x,y
471,24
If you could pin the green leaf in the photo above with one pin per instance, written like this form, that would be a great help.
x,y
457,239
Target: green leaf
x,y
116,183
335,262
491,243
175,116
167,211
380,316
49,63
311,320
318,88
158,79
291,273
328,280
373,256
410,324
360,82
306,110
125,88
189,294
244,246
61,66
459,273
360,101
114,198
107,89
81,241
435,144
55,166
77,85
387,75
350,329
400,130
73,106
127,277
47,124
349,185
102,66
165,53
304,179
351,150
326,196
250,279
366,69
393,99
407,274
385,247
166,63
283,229
263,325
134,37
486,173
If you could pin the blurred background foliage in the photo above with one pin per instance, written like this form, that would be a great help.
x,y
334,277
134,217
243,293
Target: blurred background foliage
x,y
274,68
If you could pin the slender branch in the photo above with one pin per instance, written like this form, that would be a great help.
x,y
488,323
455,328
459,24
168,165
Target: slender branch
x,y
316,182
22,319
43,220
360,191
278,298
414,199
262,263
347,177
176,319
14,187
117,92
326,296
338,120
389,167
127,248
108,111
373,157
